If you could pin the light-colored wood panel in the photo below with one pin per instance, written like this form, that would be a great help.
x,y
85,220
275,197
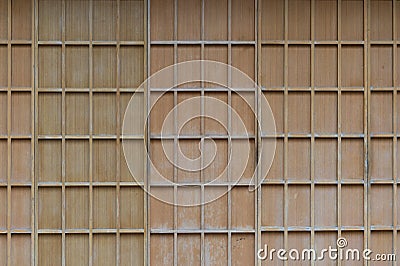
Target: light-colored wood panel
x,y
49,160
49,67
215,115
272,65
3,208
131,207
188,161
242,20
215,249
21,161
326,66
20,249
162,20
3,64
189,19
104,67
217,53
76,20
272,19
3,19
381,162
49,115
299,19
381,205
242,208
242,161
324,240
50,24
188,214
104,160
277,167
299,66
325,112
325,159
352,112
76,249
242,249
299,166
243,59
104,113
215,211
381,112
325,207
161,212
77,113
299,112
104,20
21,113
3,249
162,249
50,205
161,106
352,20
104,251
188,113
21,66
162,168
381,20
104,207
215,171
299,205
76,160
76,208
276,103
381,66
3,160
21,19
132,249
132,20
272,205
352,158
3,113
326,20
215,20
352,66
352,214
133,151
131,60
77,67
21,208
189,249
243,109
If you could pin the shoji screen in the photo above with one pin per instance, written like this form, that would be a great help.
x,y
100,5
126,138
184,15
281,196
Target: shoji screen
x,y
222,232
16,133
90,59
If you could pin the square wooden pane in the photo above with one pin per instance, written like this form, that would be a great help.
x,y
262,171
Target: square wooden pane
x,y
243,251
76,20
77,160
299,206
49,67
21,67
104,114
21,249
381,66
216,20
352,74
102,253
21,161
162,213
77,113
50,208
49,113
104,207
326,112
299,112
76,249
299,19
189,17
104,67
299,66
131,207
242,20
325,205
381,104
381,205
381,158
50,161
352,112
50,24
162,20
21,113
189,246
215,249
272,20
132,20
326,62
353,159
77,66
352,205
76,207
243,207
325,159
104,20
50,244
131,60
352,20
132,249
215,209
188,210
272,205
21,20
326,20
299,159
104,160
381,20
272,66
21,208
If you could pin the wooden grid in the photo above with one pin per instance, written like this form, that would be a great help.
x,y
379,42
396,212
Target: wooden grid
x,y
224,231
16,133
89,209
313,71
331,87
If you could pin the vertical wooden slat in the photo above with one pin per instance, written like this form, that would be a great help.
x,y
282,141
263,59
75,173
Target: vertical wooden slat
x,y
90,132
